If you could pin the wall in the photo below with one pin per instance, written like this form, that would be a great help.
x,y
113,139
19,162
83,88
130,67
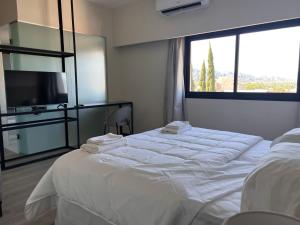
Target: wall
x,y
4,34
263,118
221,14
8,11
143,66
90,18
143,80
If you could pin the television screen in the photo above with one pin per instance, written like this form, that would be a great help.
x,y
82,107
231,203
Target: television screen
x,y
25,88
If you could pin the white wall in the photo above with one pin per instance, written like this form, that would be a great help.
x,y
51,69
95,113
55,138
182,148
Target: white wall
x,y
263,118
143,81
139,22
4,34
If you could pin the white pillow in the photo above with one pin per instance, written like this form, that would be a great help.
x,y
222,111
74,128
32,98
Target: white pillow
x,y
292,136
275,183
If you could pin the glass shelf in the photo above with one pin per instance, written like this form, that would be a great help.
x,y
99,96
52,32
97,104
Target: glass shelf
x,y
36,123
33,51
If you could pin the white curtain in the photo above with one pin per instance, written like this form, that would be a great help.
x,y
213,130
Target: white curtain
x,y
175,92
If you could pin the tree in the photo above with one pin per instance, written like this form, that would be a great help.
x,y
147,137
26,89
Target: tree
x,y
193,83
211,82
202,82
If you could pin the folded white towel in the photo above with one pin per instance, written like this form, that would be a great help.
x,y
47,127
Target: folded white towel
x,y
90,148
95,149
176,127
105,139
172,131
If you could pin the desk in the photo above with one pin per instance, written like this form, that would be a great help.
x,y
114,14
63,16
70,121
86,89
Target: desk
x,y
110,104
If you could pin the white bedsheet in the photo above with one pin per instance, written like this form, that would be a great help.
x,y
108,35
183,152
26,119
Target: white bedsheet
x,y
156,179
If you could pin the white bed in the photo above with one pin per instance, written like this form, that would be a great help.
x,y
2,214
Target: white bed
x,y
193,178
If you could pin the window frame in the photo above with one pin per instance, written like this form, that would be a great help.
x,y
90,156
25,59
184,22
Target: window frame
x,y
239,95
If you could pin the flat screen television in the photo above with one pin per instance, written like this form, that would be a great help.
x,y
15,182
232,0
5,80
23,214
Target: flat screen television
x,y
27,88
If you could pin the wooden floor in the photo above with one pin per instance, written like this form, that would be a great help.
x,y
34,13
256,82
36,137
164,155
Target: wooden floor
x,y
17,186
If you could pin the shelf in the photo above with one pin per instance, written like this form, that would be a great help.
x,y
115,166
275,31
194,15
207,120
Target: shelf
x,y
35,157
35,112
60,54
33,51
49,151
36,123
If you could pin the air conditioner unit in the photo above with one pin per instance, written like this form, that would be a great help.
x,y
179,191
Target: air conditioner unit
x,y
169,7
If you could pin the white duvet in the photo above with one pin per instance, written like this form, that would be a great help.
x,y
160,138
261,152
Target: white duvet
x,y
157,179
275,184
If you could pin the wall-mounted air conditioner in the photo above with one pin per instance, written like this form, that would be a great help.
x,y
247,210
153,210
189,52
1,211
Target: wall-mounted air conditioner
x,y
169,7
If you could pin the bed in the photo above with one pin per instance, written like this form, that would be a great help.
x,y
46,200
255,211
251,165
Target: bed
x,y
194,178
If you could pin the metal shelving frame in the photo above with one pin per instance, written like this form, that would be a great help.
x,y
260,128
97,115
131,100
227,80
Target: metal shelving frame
x,y
8,49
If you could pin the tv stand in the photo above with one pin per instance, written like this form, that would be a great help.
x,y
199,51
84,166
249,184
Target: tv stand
x,y
38,108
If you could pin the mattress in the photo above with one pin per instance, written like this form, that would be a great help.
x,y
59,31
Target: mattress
x,y
194,178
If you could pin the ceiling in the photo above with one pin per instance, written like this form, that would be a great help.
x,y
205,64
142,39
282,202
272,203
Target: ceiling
x,y
113,3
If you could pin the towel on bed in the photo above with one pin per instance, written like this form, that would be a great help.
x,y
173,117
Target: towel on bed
x,y
176,127
105,139
94,149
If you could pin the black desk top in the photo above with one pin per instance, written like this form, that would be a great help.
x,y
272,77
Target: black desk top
x,y
85,106
104,104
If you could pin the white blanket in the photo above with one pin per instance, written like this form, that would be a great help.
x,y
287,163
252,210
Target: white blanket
x,y
157,179
275,184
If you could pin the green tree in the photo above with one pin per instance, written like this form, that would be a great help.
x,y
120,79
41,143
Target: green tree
x,y
211,82
202,82
193,83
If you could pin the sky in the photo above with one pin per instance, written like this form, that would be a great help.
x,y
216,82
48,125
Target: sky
x,y
267,53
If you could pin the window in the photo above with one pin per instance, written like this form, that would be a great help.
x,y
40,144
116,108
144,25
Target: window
x,y
258,62
210,70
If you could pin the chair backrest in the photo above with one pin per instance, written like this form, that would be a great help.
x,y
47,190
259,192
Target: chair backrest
x,y
261,218
120,116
